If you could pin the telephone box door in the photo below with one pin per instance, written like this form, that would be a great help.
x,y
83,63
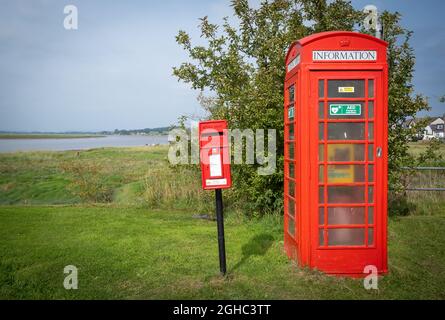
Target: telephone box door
x,y
347,146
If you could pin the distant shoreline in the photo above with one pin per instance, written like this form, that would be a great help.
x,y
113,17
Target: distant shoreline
x,y
10,142
48,136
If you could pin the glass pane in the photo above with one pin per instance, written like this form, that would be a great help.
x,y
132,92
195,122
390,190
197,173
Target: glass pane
x,y
370,194
291,227
370,236
321,88
321,131
346,194
346,173
346,131
291,113
291,131
321,152
321,215
291,208
371,88
371,152
291,150
346,110
321,237
291,188
346,215
291,170
371,173
371,131
346,152
291,94
346,237
370,215
370,109
321,110
346,88
321,173
320,194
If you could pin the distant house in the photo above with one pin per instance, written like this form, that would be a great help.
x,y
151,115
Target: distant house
x,y
428,133
411,123
438,128
434,130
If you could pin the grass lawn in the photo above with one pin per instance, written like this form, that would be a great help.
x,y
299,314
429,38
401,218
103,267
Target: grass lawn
x,y
135,253
124,218
416,148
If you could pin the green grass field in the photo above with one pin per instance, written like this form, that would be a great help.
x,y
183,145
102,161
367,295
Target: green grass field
x,y
154,254
124,218
415,148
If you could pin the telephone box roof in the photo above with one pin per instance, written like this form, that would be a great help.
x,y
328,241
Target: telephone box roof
x,y
327,34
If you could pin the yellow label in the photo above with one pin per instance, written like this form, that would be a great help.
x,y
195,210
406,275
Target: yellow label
x,y
340,173
346,89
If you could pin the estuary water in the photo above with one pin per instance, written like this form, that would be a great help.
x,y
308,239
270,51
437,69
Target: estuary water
x,y
13,145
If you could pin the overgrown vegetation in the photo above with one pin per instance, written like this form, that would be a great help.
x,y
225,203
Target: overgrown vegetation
x,y
86,181
88,176
143,177
242,65
138,176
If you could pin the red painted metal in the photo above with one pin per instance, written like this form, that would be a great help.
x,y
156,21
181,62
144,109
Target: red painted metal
x,y
214,155
335,216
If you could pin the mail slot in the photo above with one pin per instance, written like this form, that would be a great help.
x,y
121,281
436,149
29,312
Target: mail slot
x,y
214,154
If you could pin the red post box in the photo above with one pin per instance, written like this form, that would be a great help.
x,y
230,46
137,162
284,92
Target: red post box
x,y
214,154
335,181
215,171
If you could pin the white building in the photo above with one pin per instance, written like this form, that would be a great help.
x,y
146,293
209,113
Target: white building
x,y
435,130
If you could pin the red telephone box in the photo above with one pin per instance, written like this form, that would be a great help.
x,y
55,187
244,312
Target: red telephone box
x,y
335,177
214,154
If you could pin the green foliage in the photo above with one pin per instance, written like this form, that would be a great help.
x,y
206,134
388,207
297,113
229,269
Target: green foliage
x,y
243,68
403,103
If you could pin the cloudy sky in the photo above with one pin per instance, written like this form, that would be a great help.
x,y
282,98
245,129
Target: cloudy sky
x,y
115,71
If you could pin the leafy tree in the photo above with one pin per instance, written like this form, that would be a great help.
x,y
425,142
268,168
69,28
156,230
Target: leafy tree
x,y
403,103
242,65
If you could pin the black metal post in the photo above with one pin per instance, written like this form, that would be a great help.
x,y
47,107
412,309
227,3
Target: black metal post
x,y
220,224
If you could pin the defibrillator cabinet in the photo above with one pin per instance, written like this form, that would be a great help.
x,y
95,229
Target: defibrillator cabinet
x,y
335,173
